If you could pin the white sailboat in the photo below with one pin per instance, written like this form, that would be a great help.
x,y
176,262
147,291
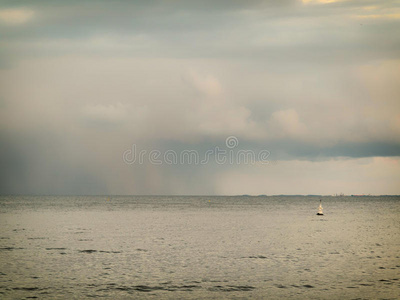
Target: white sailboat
x,y
320,212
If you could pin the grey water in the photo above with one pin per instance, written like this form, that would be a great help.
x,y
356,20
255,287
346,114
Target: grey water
x,y
199,247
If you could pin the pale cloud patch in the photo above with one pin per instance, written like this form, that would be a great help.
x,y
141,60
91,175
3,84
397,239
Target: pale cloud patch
x,y
286,123
379,16
213,111
113,113
371,7
102,44
378,12
16,16
320,1
375,175
207,85
379,81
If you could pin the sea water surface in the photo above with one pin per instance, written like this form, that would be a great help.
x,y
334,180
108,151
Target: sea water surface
x,y
187,247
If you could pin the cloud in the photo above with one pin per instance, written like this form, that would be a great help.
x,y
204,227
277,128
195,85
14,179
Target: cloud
x,y
286,123
83,82
214,113
321,1
113,113
207,85
350,176
383,16
275,31
16,16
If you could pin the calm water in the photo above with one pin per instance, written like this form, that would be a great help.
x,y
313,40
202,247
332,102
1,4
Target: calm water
x,y
199,247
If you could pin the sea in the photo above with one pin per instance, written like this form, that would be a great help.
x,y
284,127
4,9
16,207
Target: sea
x,y
199,247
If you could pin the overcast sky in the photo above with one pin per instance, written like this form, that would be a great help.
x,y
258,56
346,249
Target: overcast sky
x,y
316,83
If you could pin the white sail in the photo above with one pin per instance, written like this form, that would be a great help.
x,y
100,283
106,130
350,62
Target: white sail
x,y
320,212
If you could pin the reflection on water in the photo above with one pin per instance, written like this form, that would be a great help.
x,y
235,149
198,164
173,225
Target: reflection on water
x,y
199,247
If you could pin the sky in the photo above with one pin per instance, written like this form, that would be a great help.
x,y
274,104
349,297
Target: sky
x,y
86,86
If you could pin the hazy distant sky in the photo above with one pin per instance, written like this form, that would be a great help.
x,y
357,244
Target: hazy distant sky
x,y
314,82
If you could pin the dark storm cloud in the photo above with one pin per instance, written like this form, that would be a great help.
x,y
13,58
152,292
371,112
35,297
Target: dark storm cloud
x,y
38,164
237,29
290,150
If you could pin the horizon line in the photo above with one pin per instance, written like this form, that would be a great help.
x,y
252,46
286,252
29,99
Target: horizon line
x,y
199,195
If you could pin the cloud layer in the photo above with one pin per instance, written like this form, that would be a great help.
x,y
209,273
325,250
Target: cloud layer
x,y
314,82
